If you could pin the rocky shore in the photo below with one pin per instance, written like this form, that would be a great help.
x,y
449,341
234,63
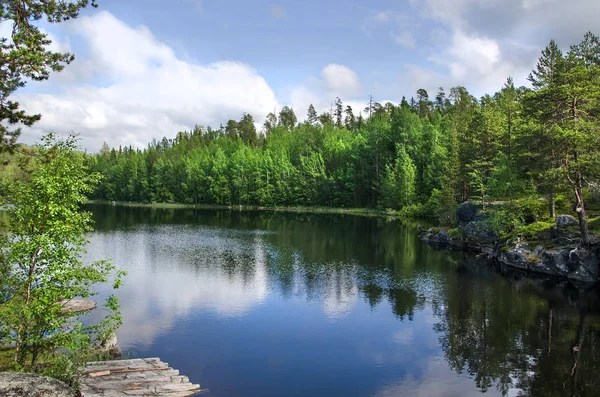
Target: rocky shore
x,y
559,255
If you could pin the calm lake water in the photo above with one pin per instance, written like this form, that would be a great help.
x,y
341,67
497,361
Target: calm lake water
x,y
286,304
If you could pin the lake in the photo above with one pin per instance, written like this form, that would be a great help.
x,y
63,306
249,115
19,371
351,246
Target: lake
x,y
295,304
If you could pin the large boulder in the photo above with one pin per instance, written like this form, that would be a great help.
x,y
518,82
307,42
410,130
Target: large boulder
x,y
16,384
515,257
466,212
566,221
584,263
441,238
551,262
478,234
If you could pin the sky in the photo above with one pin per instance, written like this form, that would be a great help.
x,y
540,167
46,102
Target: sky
x,y
146,69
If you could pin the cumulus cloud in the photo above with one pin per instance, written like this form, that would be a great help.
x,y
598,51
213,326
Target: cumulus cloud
x,y
491,40
334,81
340,80
142,90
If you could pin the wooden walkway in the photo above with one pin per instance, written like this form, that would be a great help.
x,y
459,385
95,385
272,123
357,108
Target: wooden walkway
x,y
137,377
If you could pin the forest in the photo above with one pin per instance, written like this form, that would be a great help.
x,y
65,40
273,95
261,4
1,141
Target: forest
x,y
537,147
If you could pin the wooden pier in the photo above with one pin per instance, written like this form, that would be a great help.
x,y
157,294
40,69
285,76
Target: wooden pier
x,y
136,377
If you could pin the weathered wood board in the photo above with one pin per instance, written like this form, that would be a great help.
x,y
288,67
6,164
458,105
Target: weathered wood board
x,y
135,377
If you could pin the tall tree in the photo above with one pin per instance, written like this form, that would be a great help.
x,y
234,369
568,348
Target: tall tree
x,y
231,129
287,118
27,55
349,120
338,113
247,130
312,116
270,123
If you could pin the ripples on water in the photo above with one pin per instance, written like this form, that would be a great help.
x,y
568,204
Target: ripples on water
x,y
271,304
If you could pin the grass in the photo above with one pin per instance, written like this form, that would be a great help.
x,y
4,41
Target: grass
x,y
6,359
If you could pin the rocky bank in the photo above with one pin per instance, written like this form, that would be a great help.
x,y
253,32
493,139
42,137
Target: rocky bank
x,y
561,256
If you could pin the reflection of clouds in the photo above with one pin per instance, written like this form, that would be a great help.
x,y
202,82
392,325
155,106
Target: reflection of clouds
x,y
341,294
171,274
435,380
404,336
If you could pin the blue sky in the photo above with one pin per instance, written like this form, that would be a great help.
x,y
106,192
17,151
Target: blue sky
x,y
149,68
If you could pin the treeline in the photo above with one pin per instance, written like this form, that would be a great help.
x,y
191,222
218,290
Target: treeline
x,y
421,156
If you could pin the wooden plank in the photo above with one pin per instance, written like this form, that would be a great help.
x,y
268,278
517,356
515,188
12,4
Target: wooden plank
x,y
137,366
135,377
138,375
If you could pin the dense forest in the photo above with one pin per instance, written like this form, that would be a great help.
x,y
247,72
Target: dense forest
x,y
421,156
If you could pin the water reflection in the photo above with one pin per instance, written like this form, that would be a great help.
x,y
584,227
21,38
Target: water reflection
x,y
298,304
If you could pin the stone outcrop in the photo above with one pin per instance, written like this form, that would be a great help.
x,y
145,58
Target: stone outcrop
x,y
580,264
567,260
566,221
15,384
466,213
477,234
77,305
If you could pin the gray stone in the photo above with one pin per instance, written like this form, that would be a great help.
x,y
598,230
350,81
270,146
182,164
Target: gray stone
x,y
515,257
566,221
551,262
15,384
77,305
584,264
479,234
466,212
441,238
110,346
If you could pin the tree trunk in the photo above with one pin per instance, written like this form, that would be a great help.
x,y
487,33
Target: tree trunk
x,y
580,209
551,204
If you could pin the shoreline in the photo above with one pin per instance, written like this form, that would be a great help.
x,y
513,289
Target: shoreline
x,y
315,210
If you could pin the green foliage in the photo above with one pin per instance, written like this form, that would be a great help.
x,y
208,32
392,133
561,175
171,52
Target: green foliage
x,y
421,158
26,55
399,182
42,266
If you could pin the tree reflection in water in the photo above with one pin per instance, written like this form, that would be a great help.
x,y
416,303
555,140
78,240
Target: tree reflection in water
x,y
518,335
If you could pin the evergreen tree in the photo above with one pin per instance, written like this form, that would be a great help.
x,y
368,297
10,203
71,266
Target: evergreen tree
x,y
28,56
338,113
312,117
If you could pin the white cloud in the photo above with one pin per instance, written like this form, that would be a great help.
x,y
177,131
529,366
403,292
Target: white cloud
x,y
148,92
336,81
404,39
340,80
435,380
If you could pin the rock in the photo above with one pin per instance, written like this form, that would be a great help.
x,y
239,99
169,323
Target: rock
x,y
77,305
110,346
565,221
478,234
15,384
441,238
553,263
515,257
466,212
583,263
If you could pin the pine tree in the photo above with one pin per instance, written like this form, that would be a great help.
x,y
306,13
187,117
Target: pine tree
x,y
312,117
338,114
